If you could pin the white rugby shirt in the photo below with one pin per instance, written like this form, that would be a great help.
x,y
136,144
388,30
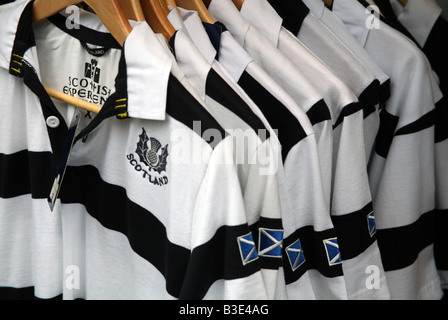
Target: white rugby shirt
x,y
146,204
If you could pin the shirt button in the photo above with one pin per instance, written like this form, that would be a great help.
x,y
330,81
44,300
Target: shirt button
x,y
53,122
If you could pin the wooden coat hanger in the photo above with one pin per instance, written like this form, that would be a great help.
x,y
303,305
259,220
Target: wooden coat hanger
x,y
328,3
132,9
238,3
173,4
112,16
199,7
156,12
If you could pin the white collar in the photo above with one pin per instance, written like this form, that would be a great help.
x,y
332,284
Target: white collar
x,y
148,69
192,63
9,19
146,78
193,27
355,17
418,16
231,55
263,17
225,11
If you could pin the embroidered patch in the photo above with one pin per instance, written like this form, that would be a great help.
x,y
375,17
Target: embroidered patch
x,y
152,159
333,253
371,223
295,255
247,247
270,244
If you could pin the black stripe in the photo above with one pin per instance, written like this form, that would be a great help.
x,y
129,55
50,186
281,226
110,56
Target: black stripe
x,y
147,236
26,172
8,293
425,122
183,107
220,91
110,205
371,94
290,131
314,251
319,112
347,111
383,141
441,239
353,232
441,121
400,247
384,93
369,98
217,259
171,43
293,13
436,51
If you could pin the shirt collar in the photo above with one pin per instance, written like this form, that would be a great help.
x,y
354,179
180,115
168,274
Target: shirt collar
x,y
355,17
226,12
191,61
192,25
418,17
263,17
232,56
148,69
10,17
146,78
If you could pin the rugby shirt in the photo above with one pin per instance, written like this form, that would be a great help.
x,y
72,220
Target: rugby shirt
x,y
145,196
318,228
401,171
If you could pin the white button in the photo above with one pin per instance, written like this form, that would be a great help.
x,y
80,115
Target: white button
x,y
53,122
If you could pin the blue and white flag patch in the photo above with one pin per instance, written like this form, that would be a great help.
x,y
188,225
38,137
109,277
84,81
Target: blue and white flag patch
x,y
371,223
333,253
295,255
248,250
270,243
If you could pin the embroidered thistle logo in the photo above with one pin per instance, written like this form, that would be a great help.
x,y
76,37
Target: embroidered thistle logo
x,y
151,153
154,157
